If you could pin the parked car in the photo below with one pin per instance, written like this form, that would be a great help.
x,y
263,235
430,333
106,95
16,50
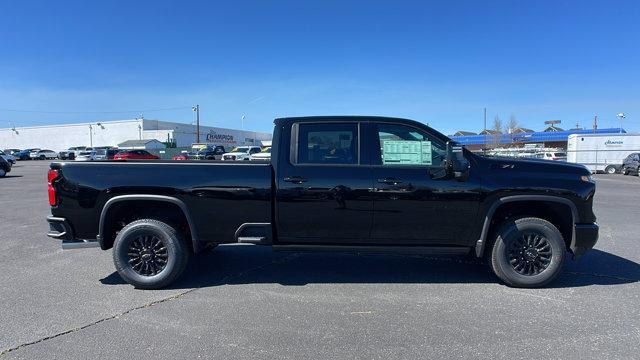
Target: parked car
x,y
10,158
135,155
241,153
631,164
555,156
11,151
333,184
183,156
86,156
105,153
26,154
5,167
71,152
263,155
210,153
43,154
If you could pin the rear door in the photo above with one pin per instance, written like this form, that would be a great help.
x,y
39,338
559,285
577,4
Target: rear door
x,y
323,191
413,203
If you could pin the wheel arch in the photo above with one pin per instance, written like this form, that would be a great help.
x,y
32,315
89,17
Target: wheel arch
x,y
542,200
109,210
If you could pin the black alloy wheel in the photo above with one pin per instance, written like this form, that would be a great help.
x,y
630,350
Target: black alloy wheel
x,y
150,254
530,254
147,255
527,252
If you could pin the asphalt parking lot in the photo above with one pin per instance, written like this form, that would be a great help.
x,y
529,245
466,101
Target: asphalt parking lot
x,y
243,301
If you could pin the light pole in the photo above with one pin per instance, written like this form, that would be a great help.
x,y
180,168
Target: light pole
x,y
13,127
621,116
242,123
197,110
91,132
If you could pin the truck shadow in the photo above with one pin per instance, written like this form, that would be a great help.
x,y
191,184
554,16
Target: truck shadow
x,y
235,265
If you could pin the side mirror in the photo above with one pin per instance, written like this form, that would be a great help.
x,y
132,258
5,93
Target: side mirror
x,y
456,164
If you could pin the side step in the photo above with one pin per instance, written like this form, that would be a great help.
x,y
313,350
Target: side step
x,y
257,240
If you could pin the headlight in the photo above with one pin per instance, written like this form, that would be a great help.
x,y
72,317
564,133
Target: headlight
x,y
587,178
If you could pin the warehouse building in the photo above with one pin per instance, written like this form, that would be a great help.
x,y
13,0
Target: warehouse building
x,y
112,133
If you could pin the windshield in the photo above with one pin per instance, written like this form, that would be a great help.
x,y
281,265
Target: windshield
x,y
240,149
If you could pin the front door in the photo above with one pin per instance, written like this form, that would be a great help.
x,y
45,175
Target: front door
x,y
323,192
413,203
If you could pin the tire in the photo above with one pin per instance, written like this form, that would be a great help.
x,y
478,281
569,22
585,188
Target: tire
x,y
150,237
543,252
3,172
610,169
42,157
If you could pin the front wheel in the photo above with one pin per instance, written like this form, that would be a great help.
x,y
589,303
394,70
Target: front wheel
x,y
2,173
150,254
528,252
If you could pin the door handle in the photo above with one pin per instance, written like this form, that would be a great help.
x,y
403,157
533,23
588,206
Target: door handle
x,y
389,181
295,179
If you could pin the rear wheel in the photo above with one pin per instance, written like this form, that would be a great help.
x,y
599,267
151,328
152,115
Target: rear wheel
x,y
150,254
527,252
42,157
610,169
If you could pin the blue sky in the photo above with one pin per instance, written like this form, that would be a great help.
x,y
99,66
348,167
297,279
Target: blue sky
x,y
440,62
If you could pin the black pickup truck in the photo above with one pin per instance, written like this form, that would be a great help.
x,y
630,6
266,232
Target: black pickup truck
x,y
333,184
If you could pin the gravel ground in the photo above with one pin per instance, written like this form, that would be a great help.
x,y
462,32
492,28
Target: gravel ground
x,y
243,301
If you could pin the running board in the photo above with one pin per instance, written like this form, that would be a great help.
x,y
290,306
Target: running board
x,y
422,250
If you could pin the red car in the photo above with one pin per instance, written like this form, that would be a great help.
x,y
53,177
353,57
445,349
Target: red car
x,y
135,155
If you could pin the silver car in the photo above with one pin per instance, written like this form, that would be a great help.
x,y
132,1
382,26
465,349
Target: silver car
x,y
43,154
86,156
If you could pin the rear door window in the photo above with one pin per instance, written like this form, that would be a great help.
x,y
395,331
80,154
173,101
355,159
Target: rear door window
x,y
327,144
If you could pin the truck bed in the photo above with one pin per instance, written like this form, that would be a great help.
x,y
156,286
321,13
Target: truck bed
x,y
220,196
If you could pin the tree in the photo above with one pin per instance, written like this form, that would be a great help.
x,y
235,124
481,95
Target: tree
x,y
513,124
497,127
497,124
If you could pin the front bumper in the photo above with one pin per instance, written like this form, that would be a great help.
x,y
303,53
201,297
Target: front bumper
x,y
60,229
585,237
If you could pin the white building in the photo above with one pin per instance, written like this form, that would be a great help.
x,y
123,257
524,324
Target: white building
x,y
112,133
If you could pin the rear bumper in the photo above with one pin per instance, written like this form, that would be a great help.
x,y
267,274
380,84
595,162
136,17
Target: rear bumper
x,y
60,229
585,237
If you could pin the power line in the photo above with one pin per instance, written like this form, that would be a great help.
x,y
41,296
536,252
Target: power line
x,y
94,112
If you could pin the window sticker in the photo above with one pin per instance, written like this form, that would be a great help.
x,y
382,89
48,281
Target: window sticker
x,y
406,152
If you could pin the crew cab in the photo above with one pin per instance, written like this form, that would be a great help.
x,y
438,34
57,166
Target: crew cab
x,y
338,183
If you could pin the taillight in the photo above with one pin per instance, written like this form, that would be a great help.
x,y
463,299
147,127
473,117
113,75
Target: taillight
x,y
51,176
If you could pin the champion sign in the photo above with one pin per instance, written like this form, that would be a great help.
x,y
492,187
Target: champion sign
x,y
614,142
213,137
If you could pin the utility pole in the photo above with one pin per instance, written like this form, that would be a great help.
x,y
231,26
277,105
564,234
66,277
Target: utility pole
x,y
595,123
90,135
197,110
